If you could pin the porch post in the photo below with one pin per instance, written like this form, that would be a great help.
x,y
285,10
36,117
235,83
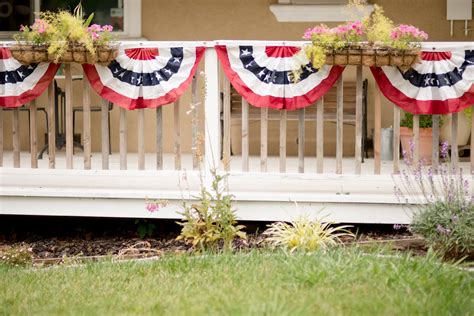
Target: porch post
x,y
212,127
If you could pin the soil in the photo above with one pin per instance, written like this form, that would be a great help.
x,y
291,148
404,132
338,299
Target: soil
x,y
53,240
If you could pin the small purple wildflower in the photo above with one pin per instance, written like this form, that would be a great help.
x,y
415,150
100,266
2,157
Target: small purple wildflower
x,y
444,149
397,226
152,207
444,231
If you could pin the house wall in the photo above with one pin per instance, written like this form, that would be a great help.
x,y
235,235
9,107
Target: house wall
x,y
251,20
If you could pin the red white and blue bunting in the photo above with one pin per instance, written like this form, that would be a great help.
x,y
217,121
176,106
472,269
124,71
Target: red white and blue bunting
x,y
263,76
145,77
20,84
442,83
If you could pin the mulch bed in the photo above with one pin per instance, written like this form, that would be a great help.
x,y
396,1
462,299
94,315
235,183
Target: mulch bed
x,y
60,243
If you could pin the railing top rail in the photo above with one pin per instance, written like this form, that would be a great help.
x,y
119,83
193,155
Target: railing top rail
x,y
144,43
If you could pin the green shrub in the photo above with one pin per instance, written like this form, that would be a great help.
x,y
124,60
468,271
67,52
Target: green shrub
x,y
211,220
442,205
447,227
425,121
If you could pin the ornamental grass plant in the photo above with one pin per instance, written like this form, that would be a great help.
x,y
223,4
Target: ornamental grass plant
x,y
305,235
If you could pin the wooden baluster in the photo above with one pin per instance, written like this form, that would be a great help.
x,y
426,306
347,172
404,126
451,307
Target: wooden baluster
x,y
263,139
454,141
226,111
472,144
339,125
1,137
52,126
358,121
141,139
416,139
396,139
301,140
159,138
69,122
195,126
33,134
283,116
177,137
105,134
377,130
86,122
320,135
435,144
245,135
16,138
123,139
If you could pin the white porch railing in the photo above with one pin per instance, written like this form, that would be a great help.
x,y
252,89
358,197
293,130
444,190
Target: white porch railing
x,y
355,190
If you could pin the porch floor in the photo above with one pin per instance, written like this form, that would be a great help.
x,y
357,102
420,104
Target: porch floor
x,y
186,163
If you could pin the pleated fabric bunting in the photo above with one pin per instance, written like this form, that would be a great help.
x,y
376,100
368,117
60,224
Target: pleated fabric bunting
x,y
20,84
145,77
442,83
263,75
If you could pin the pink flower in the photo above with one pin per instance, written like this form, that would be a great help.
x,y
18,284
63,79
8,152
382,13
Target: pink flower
x,y
40,26
152,207
94,28
107,28
95,36
23,28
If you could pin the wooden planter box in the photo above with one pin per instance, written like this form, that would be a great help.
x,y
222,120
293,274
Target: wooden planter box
x,y
29,54
373,56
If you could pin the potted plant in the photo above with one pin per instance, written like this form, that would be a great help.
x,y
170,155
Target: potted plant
x,y
464,127
64,37
372,41
426,136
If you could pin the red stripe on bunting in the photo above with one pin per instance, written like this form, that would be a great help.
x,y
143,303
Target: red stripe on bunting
x,y
421,106
281,51
30,95
435,56
142,53
278,103
140,102
5,53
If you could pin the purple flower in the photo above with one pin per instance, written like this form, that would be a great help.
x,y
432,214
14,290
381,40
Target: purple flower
x,y
444,231
397,226
94,28
444,149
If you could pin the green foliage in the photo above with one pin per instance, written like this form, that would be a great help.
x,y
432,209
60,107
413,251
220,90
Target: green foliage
x,y
145,228
341,281
305,235
426,121
448,227
17,255
211,220
378,26
59,30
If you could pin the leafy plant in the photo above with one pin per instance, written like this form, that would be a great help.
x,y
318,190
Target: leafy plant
x,y
378,26
426,121
59,30
212,219
443,208
305,235
17,255
145,228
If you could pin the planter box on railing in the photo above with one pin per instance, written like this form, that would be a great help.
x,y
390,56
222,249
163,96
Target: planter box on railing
x,y
29,54
373,56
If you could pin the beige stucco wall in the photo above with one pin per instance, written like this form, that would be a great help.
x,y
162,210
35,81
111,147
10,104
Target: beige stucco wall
x,y
176,20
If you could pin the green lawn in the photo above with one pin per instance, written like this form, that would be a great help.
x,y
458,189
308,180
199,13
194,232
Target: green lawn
x,y
341,282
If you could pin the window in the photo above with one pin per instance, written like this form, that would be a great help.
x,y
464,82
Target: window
x,y
123,15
